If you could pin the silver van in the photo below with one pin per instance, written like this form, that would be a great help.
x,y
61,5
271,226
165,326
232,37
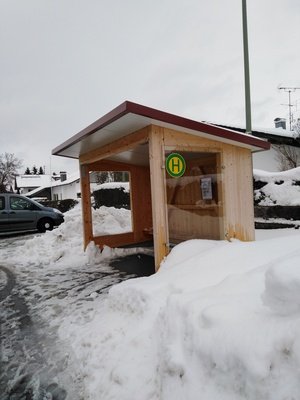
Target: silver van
x,y
19,213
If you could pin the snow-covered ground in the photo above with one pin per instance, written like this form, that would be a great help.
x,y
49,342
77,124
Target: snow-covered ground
x,y
220,320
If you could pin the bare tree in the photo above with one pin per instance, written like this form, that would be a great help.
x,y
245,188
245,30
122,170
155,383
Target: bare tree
x,y
9,164
296,130
289,156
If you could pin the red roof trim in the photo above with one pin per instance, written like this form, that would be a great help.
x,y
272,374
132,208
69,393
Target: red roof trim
x,y
134,108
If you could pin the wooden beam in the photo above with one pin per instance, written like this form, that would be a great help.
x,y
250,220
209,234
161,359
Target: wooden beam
x,y
158,194
116,240
118,146
86,205
109,165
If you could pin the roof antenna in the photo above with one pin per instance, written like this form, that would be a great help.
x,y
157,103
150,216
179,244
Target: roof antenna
x,y
246,69
289,90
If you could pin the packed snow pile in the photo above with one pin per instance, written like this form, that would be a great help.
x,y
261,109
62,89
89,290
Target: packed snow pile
x,y
277,188
220,320
64,245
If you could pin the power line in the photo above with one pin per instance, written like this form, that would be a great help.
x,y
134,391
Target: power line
x,y
289,90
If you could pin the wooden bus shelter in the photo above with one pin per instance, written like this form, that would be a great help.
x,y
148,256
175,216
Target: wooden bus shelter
x,y
188,179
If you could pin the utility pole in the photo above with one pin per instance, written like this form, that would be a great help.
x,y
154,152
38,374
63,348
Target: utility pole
x,y
246,69
289,90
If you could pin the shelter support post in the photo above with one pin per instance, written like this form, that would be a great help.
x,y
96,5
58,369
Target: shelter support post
x,y
158,195
86,205
238,194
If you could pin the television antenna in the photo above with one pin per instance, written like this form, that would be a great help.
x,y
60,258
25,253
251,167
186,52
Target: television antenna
x,y
289,90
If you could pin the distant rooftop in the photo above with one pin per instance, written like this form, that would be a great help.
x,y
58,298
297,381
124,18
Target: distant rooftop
x,y
273,135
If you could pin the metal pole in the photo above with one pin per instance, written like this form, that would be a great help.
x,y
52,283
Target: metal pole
x,y
290,110
246,69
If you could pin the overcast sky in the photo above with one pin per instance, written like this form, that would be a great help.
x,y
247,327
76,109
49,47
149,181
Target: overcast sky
x,y
65,63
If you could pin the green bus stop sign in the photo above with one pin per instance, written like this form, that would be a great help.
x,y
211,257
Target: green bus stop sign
x,y
175,165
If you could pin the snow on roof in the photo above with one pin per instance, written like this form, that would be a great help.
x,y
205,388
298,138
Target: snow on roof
x,y
256,129
24,181
113,185
72,178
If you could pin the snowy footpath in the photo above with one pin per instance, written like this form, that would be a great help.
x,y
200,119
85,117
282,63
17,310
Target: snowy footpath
x,y
219,321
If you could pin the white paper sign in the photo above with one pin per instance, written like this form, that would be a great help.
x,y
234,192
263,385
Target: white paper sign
x,y
206,188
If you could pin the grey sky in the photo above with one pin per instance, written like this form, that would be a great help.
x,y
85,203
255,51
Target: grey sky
x,y
65,63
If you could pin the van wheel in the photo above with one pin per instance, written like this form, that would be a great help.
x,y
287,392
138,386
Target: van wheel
x,y
45,224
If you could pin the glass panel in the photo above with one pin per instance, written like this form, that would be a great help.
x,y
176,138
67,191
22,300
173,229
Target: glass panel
x,y
17,203
194,200
111,210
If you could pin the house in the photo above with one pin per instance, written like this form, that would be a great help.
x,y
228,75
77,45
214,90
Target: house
x,y
277,136
188,179
27,183
68,187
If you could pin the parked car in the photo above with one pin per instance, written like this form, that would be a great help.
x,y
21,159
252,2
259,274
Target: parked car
x,y
19,213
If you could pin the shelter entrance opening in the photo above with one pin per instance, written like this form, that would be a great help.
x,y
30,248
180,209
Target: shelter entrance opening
x,y
110,201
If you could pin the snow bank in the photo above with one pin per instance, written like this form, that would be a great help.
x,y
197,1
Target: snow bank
x,y
280,188
219,320
64,245
265,176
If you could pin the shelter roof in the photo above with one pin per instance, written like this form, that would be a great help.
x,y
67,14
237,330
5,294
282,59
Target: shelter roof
x,y
129,117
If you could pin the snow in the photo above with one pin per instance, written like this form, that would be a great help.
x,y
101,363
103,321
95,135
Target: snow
x,y
114,185
220,320
64,245
265,176
280,188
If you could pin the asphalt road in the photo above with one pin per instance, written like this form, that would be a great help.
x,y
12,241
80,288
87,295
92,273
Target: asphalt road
x,y
34,363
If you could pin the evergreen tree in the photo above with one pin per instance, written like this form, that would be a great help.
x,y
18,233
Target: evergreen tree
x,y
27,172
41,171
34,170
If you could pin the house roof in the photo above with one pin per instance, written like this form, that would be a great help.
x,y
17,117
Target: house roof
x,y
274,135
71,179
129,117
28,181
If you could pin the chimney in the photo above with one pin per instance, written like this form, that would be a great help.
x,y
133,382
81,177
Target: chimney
x,y
280,123
63,176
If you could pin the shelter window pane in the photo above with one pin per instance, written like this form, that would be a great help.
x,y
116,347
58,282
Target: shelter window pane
x,y
194,200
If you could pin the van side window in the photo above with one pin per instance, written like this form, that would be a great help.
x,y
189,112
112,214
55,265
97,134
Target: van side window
x,y
17,203
2,202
